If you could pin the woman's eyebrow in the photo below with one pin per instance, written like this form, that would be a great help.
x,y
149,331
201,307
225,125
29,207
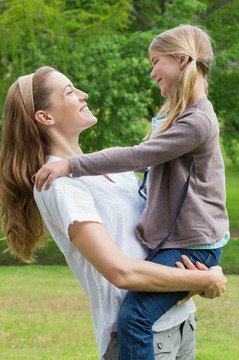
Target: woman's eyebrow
x,y
68,85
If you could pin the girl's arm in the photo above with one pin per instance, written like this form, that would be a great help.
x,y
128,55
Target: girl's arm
x,y
96,245
183,137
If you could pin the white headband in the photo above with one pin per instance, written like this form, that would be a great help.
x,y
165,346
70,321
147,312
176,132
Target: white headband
x,y
25,87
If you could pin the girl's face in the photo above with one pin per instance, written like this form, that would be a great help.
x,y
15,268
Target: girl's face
x,y
166,70
69,109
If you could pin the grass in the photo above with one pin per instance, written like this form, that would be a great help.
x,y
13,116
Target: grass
x,y
218,326
45,315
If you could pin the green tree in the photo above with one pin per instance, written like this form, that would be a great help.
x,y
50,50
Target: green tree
x,y
102,46
221,20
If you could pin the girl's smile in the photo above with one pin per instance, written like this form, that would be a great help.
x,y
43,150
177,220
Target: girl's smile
x,y
166,70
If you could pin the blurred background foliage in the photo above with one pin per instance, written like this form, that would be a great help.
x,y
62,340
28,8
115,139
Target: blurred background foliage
x,y
102,47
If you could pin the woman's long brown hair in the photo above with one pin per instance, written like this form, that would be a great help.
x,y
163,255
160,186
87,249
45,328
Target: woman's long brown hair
x,y
25,146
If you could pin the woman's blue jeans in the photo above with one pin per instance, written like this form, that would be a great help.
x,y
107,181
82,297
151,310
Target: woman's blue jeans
x,y
140,310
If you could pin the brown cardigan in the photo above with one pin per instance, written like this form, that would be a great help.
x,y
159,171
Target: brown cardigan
x,y
203,218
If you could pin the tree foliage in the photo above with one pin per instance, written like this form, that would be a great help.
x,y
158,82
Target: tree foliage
x,y
223,25
102,47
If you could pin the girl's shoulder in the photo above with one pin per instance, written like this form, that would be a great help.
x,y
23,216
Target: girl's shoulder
x,y
201,114
201,108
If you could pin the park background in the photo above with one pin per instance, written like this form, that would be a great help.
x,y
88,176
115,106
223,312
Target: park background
x,y
102,47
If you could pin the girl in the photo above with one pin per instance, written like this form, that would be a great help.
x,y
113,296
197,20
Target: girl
x,y
44,115
188,137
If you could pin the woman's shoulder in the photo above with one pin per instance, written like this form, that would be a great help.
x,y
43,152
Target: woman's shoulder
x,y
64,189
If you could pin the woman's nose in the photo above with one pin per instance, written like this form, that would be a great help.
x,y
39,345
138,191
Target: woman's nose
x,y
83,96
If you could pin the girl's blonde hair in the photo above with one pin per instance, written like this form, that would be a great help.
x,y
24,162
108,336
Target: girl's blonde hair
x,y
178,42
25,146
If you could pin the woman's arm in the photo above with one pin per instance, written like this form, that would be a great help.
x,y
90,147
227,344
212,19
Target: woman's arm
x,y
96,245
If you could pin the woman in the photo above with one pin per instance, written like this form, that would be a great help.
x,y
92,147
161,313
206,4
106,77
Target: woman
x,y
185,141
44,115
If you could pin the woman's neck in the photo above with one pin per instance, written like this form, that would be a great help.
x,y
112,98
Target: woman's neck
x,y
64,153
63,147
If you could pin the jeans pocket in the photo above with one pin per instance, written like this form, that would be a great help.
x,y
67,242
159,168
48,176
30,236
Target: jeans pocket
x,y
214,257
163,341
162,347
208,257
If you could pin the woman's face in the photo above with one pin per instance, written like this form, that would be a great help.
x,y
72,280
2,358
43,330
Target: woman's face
x,y
68,105
166,70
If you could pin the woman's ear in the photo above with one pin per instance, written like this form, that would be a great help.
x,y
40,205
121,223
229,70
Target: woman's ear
x,y
44,118
184,61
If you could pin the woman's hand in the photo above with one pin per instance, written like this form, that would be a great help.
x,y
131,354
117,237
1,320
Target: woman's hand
x,y
49,172
217,287
218,283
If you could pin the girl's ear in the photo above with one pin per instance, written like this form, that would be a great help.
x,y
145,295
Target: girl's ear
x,y
44,118
184,61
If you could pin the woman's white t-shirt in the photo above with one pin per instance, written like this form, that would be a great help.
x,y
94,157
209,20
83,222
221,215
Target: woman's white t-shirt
x,y
117,205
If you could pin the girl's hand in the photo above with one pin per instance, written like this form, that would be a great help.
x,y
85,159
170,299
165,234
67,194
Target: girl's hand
x,y
188,263
49,172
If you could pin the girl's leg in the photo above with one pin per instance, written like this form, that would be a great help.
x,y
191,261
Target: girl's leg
x,y
140,310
